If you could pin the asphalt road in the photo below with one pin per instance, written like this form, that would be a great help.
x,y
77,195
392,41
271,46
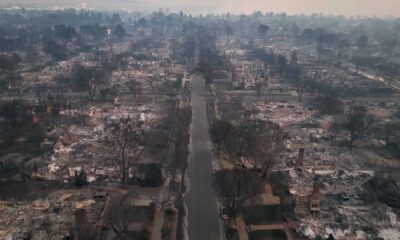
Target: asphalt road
x,y
201,200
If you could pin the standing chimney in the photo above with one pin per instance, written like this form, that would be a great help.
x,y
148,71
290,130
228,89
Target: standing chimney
x,y
315,189
314,206
82,226
300,158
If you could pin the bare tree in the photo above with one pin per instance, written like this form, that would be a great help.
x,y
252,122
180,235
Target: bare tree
x,y
14,81
358,122
153,84
119,218
392,138
108,93
259,87
66,131
125,144
88,79
8,63
299,80
300,89
229,32
261,78
235,187
174,46
91,88
219,132
267,144
186,91
255,143
263,30
134,86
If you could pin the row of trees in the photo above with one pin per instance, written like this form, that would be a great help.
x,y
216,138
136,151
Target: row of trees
x,y
253,146
293,73
356,119
126,144
235,187
56,42
388,70
209,59
94,80
21,30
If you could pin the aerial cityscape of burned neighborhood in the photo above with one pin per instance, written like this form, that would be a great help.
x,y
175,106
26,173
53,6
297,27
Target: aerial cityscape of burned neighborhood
x,y
162,125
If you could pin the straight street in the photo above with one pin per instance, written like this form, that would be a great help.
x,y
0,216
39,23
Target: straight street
x,y
201,200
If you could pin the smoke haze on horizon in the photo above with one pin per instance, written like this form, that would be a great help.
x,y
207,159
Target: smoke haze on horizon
x,y
336,7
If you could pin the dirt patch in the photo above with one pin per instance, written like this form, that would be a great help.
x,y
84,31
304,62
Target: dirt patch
x,y
28,190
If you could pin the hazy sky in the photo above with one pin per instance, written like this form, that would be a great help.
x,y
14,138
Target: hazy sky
x,y
345,7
